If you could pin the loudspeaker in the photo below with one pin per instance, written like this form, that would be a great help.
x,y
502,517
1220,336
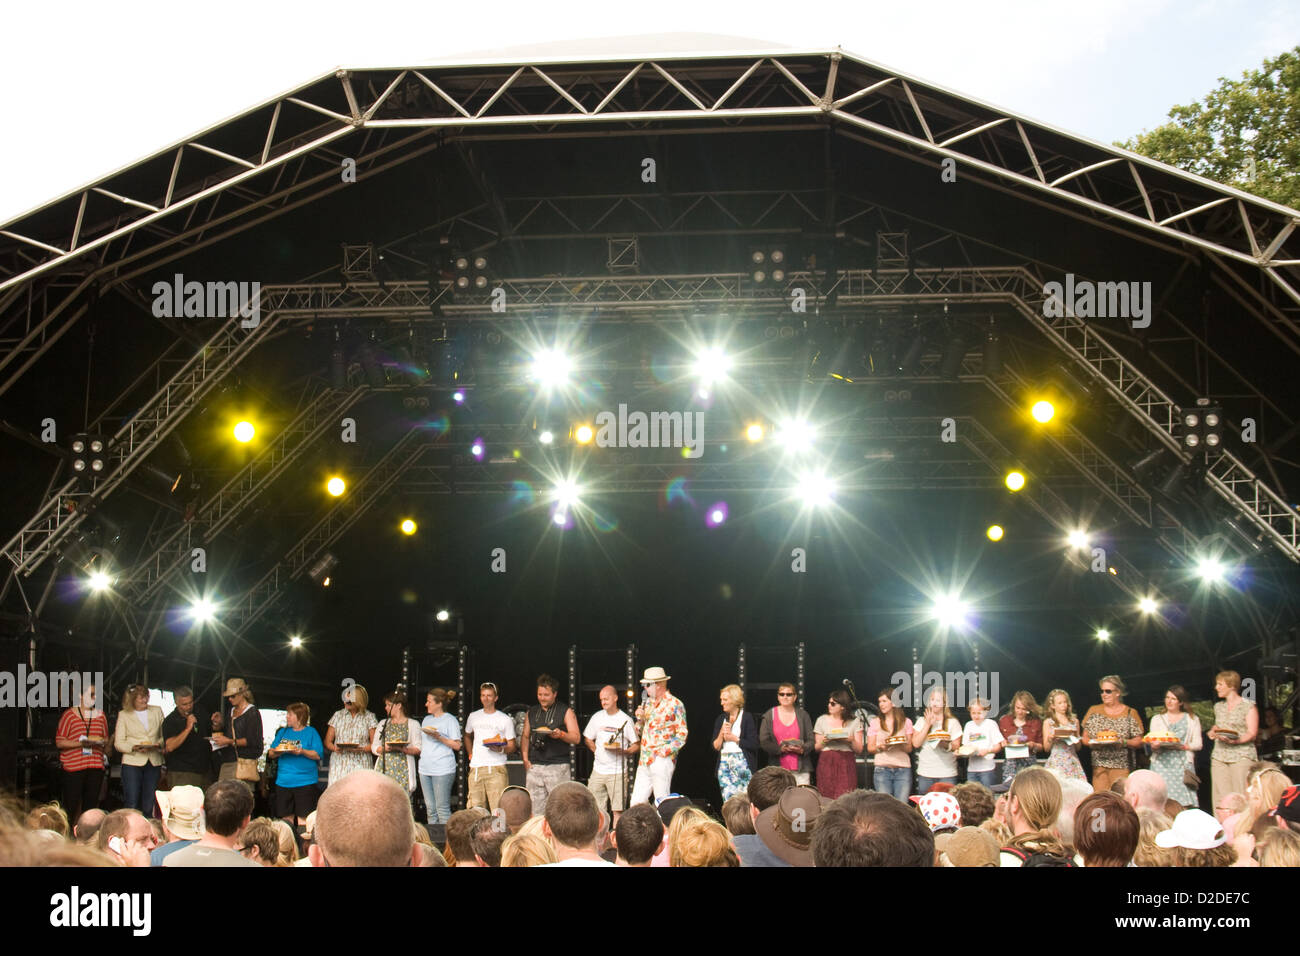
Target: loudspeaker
x,y
437,833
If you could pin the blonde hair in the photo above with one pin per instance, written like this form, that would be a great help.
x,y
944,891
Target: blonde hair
x,y
681,820
1280,848
702,843
1038,794
288,843
1231,678
1223,855
527,849
360,696
1151,822
1120,688
1262,796
531,827
734,694
943,693
1050,711
49,816
131,693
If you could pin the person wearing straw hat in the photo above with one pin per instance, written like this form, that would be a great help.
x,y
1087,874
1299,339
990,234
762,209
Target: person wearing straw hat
x,y
242,734
662,719
181,812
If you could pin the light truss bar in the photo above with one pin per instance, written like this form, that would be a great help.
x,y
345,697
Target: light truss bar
x,y
242,614
137,438
283,449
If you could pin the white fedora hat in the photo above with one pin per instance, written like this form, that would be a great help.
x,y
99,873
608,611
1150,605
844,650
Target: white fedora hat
x,y
654,675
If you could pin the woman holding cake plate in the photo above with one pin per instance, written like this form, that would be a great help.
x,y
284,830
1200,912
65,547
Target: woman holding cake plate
x,y
1111,729
1175,735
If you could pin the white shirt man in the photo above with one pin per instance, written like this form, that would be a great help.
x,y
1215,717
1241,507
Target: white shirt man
x,y
489,737
610,735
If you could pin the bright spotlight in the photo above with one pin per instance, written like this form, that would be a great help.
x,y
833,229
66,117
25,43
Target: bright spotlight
x,y
561,518
1078,539
1210,570
546,437
551,368
566,493
458,397
203,611
444,616
408,526
754,432
335,486
995,532
244,432
816,489
99,581
1103,634
711,365
1015,480
796,434
584,434
295,641
1043,411
476,450
950,612
1148,605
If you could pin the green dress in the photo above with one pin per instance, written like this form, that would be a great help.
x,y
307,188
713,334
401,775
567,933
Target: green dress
x,y
395,764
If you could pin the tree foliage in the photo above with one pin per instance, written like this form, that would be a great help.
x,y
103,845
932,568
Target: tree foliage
x,y
1246,133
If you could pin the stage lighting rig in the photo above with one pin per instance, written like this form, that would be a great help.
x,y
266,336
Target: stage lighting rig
x,y
88,456
1201,427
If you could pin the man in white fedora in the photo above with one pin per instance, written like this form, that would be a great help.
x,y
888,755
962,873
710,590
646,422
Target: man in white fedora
x,y
662,720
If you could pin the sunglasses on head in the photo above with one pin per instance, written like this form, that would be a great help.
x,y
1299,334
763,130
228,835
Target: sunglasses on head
x,y
486,685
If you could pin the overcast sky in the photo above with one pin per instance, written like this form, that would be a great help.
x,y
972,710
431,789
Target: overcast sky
x,y
90,87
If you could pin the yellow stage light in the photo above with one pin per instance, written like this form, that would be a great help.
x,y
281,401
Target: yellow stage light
x,y
1015,480
995,532
584,434
408,526
1043,411
244,432
335,486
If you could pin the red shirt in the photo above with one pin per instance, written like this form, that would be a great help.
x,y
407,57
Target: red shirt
x,y
72,726
1033,728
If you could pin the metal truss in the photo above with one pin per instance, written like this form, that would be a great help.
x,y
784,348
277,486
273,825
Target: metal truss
x,y
1012,286
135,440
240,615
172,553
619,295
543,98
191,193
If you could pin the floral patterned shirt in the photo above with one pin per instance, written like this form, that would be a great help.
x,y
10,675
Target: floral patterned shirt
x,y
665,729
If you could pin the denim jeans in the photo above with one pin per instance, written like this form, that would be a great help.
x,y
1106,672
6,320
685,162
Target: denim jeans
x,y
923,784
138,786
437,796
895,781
986,777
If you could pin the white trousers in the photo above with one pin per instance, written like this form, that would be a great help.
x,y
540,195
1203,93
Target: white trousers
x,y
657,776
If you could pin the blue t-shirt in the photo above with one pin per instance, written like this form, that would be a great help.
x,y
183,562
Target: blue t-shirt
x,y
298,771
437,759
160,853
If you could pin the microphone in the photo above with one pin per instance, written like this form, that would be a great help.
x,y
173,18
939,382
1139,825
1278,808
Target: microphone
x,y
846,682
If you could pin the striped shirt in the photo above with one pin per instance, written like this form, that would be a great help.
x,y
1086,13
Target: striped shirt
x,y
73,726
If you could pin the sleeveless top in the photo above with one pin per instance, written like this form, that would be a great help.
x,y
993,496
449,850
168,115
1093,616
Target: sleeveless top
x,y
543,748
1234,719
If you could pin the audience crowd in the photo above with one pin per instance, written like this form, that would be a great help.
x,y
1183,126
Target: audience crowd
x,y
773,816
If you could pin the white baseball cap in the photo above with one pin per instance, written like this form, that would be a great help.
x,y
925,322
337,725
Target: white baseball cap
x,y
1193,830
